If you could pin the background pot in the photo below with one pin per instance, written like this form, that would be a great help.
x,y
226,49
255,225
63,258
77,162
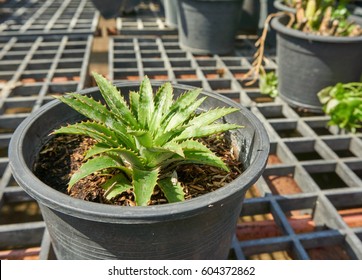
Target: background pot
x,y
208,26
200,228
113,8
170,7
250,15
108,8
307,63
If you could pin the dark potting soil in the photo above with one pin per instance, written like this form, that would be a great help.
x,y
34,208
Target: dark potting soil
x,y
64,154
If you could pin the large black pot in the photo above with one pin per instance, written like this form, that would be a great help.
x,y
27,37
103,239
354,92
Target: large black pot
x,y
200,228
308,63
208,26
114,8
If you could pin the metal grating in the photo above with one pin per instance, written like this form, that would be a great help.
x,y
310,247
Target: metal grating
x,y
31,72
149,19
47,17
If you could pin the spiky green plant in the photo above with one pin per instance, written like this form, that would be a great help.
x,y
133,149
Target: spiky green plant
x,y
146,140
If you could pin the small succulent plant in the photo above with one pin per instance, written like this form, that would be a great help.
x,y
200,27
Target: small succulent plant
x,y
144,141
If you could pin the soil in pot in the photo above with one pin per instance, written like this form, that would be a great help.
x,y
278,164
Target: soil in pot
x,y
64,154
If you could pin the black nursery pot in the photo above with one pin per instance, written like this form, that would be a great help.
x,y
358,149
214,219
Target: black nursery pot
x,y
108,8
208,26
308,63
199,228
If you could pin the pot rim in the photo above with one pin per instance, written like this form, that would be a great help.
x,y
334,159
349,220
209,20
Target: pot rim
x,y
277,24
103,212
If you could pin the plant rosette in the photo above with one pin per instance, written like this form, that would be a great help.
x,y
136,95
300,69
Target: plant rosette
x,y
198,228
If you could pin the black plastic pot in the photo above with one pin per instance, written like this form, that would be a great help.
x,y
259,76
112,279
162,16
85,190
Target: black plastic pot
x,y
208,26
308,63
250,15
280,6
114,8
200,228
170,7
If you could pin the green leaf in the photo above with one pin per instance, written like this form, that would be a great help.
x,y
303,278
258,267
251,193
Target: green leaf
x,y
185,100
268,84
164,98
129,156
144,182
165,137
343,103
163,101
172,189
98,148
155,156
196,151
122,154
324,95
183,115
97,112
198,132
115,100
202,157
100,133
210,116
134,99
116,185
93,165
93,130
143,137
146,105
193,145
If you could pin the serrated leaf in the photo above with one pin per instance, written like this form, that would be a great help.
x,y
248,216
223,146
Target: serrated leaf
x,y
134,99
144,182
115,100
122,154
167,136
202,157
163,101
88,107
193,145
98,132
172,189
97,149
146,105
210,116
98,113
143,137
183,101
116,185
198,132
182,115
129,156
91,129
93,165
166,103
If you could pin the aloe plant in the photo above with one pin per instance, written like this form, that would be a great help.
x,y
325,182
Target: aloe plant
x,y
144,141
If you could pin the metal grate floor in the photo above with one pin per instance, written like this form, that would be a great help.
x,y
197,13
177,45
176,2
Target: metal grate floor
x,y
306,205
47,17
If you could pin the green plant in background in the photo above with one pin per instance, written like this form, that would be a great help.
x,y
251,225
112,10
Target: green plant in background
x,y
321,17
324,17
139,145
268,84
343,103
